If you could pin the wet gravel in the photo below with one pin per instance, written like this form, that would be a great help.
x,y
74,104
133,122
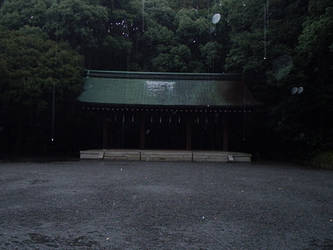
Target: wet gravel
x,y
150,205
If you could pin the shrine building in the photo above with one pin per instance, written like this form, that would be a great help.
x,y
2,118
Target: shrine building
x,y
148,110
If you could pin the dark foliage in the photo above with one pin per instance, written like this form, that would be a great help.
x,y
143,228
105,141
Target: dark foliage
x,y
277,47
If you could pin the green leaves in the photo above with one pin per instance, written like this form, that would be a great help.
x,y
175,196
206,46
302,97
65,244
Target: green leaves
x,y
211,54
33,64
14,14
191,27
317,34
177,60
81,24
178,36
78,22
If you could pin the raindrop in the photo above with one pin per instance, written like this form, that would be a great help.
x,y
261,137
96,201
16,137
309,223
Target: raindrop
x,y
297,90
216,18
294,90
300,90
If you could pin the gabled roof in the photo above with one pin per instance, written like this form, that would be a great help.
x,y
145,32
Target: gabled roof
x,y
165,89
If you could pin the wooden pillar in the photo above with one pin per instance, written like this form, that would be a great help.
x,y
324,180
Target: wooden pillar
x,y
105,134
218,137
123,120
142,131
226,133
188,133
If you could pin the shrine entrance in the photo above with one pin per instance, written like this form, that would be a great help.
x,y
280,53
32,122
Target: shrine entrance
x,y
193,129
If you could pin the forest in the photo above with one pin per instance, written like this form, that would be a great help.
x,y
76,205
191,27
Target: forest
x,y
283,48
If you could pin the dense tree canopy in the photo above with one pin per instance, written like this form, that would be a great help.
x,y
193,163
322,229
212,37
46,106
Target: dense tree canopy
x,y
276,44
31,67
31,64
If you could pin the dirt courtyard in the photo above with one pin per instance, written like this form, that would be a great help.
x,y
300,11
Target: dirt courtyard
x,y
156,205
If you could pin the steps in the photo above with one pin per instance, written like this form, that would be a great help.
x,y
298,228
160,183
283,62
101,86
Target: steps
x,y
164,155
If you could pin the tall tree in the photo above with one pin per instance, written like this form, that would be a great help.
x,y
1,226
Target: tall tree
x,y
81,23
16,14
31,68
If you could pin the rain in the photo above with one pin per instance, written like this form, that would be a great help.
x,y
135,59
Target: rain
x,y
166,124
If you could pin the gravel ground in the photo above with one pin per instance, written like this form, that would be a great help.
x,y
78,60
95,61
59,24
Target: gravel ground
x,y
147,205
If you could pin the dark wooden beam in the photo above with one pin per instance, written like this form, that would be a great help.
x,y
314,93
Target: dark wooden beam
x,y
105,134
218,136
123,120
142,131
225,132
188,133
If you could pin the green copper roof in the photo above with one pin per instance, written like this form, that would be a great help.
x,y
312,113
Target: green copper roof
x,y
169,89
